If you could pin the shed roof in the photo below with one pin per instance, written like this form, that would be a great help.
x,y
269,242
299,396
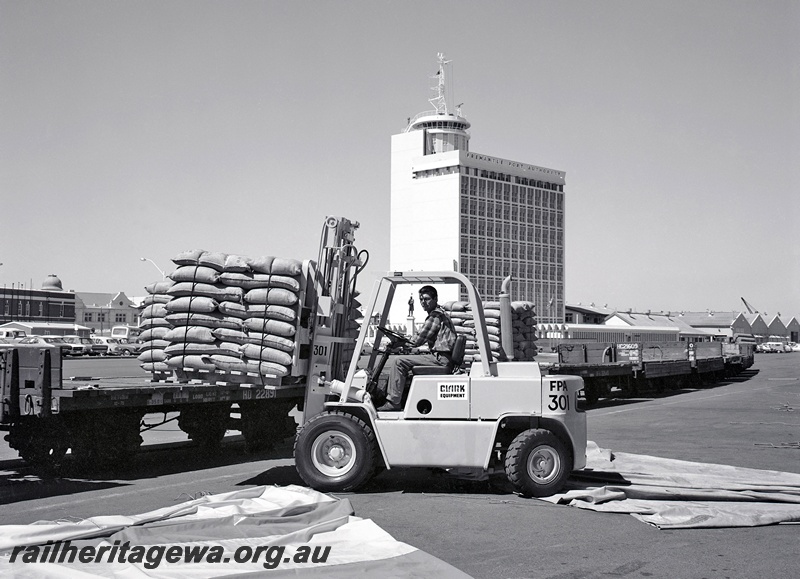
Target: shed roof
x,y
49,325
709,319
590,309
790,323
652,320
96,299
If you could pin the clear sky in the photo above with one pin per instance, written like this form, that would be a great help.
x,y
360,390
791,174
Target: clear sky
x,y
144,128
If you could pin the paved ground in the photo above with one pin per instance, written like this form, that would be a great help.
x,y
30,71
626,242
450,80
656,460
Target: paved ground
x,y
753,421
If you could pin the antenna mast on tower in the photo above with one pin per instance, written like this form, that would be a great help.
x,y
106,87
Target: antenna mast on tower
x,y
439,102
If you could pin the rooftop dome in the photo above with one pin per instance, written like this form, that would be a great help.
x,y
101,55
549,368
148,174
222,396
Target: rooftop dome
x,y
52,283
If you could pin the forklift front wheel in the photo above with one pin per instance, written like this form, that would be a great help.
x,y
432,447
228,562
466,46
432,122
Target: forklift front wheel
x,y
537,463
336,452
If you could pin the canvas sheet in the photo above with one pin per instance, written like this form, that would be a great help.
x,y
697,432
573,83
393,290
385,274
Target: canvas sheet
x,y
676,494
292,517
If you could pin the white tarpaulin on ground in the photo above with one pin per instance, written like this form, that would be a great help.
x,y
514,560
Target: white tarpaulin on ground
x,y
678,494
292,525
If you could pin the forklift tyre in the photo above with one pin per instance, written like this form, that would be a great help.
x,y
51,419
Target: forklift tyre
x,y
537,463
336,452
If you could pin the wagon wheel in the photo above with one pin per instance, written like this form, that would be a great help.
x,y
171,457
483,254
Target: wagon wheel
x,y
206,424
106,439
42,442
266,423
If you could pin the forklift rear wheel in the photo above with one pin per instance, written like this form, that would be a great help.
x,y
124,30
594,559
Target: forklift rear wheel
x,y
336,452
537,463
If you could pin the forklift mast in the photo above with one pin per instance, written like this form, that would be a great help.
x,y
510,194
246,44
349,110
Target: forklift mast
x,y
330,307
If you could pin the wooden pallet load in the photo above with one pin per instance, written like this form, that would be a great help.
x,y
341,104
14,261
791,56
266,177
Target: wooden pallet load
x,y
226,318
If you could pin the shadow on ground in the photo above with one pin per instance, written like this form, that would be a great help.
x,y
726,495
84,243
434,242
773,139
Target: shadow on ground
x,y
20,482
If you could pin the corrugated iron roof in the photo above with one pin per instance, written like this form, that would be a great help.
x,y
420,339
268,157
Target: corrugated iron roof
x,y
709,319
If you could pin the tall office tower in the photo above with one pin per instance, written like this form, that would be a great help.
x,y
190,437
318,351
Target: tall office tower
x,y
481,215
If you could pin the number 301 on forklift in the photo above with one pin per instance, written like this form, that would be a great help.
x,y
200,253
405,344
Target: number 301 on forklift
x,y
559,397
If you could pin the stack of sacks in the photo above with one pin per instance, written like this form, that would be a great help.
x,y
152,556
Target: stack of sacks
x,y
523,317
491,314
155,326
232,313
523,329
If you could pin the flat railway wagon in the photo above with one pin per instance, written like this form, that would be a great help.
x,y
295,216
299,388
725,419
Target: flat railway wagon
x,y
45,413
100,419
628,369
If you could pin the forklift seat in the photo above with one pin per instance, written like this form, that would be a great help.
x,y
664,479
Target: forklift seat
x,y
456,359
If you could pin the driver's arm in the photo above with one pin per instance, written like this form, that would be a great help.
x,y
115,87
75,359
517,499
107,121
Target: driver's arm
x,y
428,332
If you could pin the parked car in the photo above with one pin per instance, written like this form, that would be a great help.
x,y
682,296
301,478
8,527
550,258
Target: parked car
x,y
99,348
773,347
80,346
795,346
94,349
115,346
128,347
6,343
12,335
56,341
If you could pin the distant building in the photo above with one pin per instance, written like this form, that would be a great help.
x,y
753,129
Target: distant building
x,y
580,314
53,311
48,304
645,320
777,330
758,326
102,311
721,326
792,328
487,217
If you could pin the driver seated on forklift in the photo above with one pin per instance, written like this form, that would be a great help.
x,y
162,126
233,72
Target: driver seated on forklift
x,y
436,339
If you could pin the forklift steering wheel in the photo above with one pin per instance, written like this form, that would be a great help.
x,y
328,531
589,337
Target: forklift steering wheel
x,y
394,336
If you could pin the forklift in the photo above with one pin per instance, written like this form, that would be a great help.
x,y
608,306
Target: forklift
x,y
489,417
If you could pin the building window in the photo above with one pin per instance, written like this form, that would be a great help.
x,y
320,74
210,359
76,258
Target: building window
x,y
88,317
101,317
121,318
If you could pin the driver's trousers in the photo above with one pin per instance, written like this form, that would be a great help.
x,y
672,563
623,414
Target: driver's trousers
x,y
401,365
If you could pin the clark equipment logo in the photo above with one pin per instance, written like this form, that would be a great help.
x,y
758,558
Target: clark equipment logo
x,y
453,390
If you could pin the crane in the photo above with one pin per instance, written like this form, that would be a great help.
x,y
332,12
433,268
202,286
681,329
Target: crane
x,y
750,308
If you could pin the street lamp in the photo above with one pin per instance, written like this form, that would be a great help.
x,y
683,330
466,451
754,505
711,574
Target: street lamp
x,y
161,271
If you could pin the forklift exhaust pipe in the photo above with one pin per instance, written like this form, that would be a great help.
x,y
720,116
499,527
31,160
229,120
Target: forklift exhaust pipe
x,y
506,329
